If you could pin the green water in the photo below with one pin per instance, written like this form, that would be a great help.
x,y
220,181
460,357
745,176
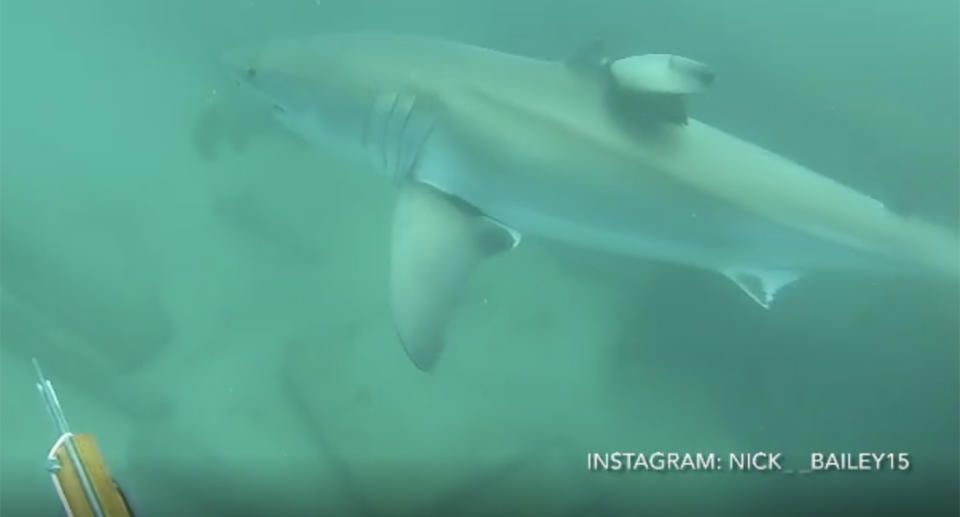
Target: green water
x,y
222,326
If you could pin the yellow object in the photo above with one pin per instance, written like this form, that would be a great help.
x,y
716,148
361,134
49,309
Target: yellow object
x,y
69,483
78,470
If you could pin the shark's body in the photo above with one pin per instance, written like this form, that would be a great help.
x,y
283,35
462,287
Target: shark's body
x,y
488,146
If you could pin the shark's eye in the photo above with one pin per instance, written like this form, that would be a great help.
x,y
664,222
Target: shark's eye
x,y
251,72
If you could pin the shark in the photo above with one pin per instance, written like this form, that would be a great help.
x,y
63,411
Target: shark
x,y
487,148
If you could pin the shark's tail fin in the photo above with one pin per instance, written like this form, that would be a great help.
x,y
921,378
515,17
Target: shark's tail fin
x,y
933,246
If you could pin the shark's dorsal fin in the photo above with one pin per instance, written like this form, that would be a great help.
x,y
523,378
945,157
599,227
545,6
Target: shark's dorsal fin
x,y
661,73
652,88
437,242
761,285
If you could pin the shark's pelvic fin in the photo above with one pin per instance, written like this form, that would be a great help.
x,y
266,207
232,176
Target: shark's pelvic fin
x,y
437,242
762,285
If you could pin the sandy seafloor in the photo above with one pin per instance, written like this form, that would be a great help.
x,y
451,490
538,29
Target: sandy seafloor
x,y
222,326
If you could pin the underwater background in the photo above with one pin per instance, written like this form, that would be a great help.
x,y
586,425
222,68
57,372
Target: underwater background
x,y
221,323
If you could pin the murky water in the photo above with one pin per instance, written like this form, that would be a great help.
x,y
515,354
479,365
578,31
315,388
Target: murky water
x,y
221,322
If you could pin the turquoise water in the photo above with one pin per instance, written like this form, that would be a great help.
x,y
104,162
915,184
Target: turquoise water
x,y
222,325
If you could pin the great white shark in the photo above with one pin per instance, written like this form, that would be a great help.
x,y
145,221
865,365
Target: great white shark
x,y
485,147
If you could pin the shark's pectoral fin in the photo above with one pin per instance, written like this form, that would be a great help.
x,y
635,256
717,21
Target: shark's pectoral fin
x,y
437,242
761,285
